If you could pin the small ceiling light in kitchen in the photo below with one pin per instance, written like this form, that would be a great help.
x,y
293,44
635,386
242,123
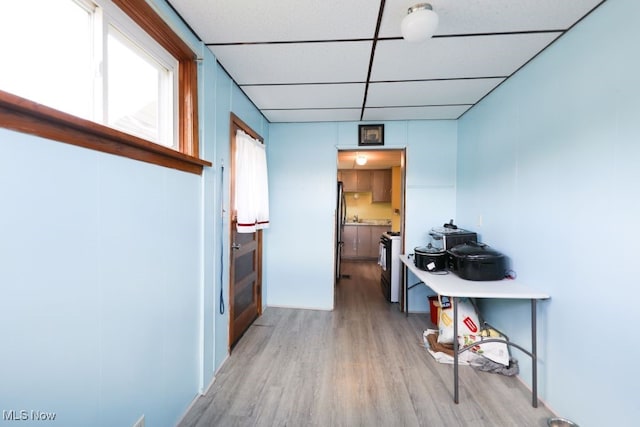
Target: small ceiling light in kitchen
x,y
420,23
361,159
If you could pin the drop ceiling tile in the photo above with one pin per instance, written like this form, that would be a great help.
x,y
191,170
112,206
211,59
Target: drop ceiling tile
x,y
306,96
296,62
416,113
293,42
495,16
433,92
233,21
456,57
313,115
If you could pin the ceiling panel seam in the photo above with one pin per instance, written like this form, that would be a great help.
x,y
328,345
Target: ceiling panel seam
x,y
437,36
376,107
443,79
373,52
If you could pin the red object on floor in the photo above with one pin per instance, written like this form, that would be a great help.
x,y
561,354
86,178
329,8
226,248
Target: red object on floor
x,y
433,309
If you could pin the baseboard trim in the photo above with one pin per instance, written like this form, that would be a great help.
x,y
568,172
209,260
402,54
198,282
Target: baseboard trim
x,y
540,401
218,369
198,395
205,392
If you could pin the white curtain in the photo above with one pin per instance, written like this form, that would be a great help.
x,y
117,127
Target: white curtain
x,y
252,189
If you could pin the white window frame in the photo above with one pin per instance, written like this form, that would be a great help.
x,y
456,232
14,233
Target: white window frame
x,y
113,18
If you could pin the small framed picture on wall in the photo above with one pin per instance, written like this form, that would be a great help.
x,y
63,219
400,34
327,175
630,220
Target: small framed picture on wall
x,y
371,135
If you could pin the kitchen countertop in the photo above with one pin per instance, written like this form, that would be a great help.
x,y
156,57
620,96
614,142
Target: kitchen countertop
x,y
370,222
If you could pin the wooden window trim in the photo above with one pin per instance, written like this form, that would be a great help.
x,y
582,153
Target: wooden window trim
x,y
30,117
147,18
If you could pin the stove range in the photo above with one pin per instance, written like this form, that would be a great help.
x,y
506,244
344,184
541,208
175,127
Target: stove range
x,y
390,265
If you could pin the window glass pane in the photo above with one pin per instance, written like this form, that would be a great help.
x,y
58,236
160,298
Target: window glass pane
x,y
46,55
90,59
135,85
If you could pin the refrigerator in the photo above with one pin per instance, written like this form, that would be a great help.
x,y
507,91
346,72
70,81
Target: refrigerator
x,y
341,217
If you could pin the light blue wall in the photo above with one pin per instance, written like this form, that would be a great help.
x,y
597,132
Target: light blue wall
x,y
219,97
110,270
302,160
99,279
551,162
299,242
211,221
228,98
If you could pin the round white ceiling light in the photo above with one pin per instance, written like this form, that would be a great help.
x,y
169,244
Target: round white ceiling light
x,y
361,159
420,23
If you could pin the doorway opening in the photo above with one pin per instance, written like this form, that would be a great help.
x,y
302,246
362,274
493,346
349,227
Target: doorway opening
x,y
370,203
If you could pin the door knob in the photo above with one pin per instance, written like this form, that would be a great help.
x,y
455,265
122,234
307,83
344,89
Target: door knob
x,y
235,246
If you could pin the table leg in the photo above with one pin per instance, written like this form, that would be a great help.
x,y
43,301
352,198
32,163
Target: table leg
x,y
534,355
454,301
406,291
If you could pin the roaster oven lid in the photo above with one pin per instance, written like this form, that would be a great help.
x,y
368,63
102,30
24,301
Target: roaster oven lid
x,y
475,250
428,250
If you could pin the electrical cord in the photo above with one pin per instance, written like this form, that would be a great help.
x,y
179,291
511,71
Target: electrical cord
x,y
221,307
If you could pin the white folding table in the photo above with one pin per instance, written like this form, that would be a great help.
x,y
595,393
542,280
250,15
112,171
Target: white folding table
x,y
454,287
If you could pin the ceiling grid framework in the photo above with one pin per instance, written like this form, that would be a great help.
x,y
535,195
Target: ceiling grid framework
x,y
336,60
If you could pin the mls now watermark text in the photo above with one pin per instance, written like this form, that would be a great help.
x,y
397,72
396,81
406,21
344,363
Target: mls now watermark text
x,y
24,415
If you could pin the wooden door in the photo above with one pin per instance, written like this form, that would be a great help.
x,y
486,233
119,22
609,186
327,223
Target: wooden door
x,y
245,267
245,282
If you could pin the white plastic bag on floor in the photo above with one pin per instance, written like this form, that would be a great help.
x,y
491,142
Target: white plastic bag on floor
x,y
495,351
468,322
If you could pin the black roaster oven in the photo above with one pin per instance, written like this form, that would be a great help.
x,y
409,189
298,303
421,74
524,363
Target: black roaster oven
x,y
477,261
430,258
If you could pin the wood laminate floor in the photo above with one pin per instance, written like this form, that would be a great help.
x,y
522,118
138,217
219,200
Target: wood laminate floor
x,y
362,364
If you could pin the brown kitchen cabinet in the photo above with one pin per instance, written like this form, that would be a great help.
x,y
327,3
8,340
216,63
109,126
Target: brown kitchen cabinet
x,y
376,232
350,241
362,242
355,181
381,185
364,181
349,180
